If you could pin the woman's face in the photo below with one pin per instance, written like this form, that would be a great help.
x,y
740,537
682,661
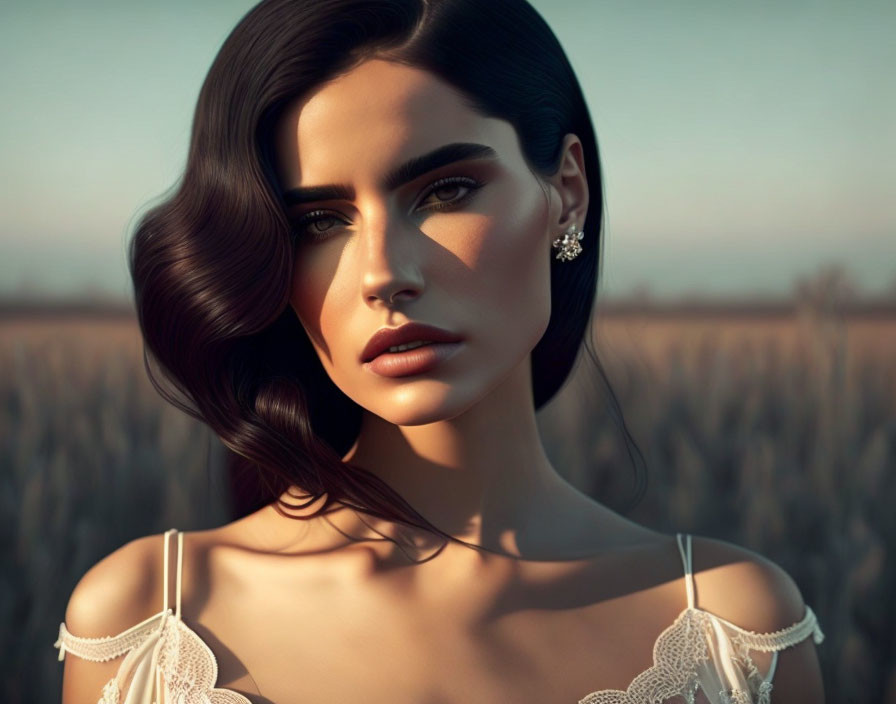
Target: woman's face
x,y
464,246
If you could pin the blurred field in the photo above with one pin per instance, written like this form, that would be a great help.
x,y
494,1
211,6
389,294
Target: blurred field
x,y
774,431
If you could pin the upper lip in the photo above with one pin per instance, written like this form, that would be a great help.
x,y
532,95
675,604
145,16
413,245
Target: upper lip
x,y
384,338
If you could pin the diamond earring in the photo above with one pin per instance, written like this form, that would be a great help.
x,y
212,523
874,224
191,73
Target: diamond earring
x,y
568,243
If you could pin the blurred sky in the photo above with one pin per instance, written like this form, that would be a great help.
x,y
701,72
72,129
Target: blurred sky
x,y
743,144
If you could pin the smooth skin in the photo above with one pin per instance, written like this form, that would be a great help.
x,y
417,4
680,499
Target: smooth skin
x,y
568,597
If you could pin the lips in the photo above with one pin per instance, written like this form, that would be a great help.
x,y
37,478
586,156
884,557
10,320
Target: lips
x,y
384,338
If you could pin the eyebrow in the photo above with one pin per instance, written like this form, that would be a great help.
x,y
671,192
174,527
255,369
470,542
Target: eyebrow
x,y
402,174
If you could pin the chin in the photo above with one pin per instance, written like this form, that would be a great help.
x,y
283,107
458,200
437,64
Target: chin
x,y
410,407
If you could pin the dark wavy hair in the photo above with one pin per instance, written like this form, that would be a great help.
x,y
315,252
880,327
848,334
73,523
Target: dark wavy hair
x,y
212,263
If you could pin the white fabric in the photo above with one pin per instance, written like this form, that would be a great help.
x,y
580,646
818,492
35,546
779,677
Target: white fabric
x,y
699,650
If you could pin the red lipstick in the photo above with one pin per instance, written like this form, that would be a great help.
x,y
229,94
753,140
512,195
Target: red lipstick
x,y
439,345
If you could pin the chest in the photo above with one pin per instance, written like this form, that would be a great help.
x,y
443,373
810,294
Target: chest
x,y
545,647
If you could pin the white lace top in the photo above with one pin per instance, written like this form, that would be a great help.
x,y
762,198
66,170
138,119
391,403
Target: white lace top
x,y
698,651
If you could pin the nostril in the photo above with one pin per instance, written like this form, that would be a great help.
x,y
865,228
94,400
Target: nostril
x,y
406,294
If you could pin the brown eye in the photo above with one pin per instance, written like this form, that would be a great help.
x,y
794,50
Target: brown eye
x,y
448,192
445,191
316,225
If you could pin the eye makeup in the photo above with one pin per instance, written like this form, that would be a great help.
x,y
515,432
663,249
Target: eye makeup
x,y
310,220
404,173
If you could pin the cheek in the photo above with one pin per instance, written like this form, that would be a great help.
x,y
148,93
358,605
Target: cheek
x,y
510,266
315,303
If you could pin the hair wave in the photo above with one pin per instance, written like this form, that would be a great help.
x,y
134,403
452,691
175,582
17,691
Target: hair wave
x,y
211,264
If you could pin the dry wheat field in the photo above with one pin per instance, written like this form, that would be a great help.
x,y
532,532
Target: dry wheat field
x,y
776,432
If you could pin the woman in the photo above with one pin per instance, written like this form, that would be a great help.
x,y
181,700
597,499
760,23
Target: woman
x,y
380,262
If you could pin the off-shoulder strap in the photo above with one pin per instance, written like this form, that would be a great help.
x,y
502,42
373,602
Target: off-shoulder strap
x,y
742,639
111,647
780,639
685,550
108,647
776,641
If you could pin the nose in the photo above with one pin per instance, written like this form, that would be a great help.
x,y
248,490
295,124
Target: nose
x,y
390,270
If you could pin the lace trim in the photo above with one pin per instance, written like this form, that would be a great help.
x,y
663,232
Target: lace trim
x,y
107,647
111,692
780,639
744,641
185,661
190,668
739,696
675,655
682,646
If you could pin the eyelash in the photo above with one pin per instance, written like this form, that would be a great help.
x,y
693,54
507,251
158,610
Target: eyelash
x,y
315,215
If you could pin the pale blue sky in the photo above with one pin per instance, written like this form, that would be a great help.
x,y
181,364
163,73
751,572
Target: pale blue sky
x,y
743,144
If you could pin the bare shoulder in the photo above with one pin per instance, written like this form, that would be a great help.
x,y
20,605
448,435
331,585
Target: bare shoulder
x,y
753,592
119,591
744,587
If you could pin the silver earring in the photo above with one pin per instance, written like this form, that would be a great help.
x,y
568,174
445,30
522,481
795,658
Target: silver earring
x,y
568,243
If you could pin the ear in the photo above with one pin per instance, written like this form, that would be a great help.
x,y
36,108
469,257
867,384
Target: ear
x,y
569,197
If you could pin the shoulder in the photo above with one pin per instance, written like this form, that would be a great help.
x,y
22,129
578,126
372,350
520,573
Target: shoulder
x,y
118,592
744,587
756,594
121,590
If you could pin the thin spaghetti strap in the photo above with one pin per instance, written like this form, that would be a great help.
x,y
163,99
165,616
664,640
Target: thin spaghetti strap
x,y
165,569
180,561
688,569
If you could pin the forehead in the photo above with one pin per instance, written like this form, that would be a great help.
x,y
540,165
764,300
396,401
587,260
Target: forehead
x,y
373,116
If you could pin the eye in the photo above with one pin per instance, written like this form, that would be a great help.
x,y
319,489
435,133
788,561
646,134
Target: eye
x,y
318,224
449,185
314,224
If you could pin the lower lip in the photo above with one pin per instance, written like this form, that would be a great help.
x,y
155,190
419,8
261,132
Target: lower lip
x,y
416,361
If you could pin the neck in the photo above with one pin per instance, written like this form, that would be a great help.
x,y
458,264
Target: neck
x,y
482,476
